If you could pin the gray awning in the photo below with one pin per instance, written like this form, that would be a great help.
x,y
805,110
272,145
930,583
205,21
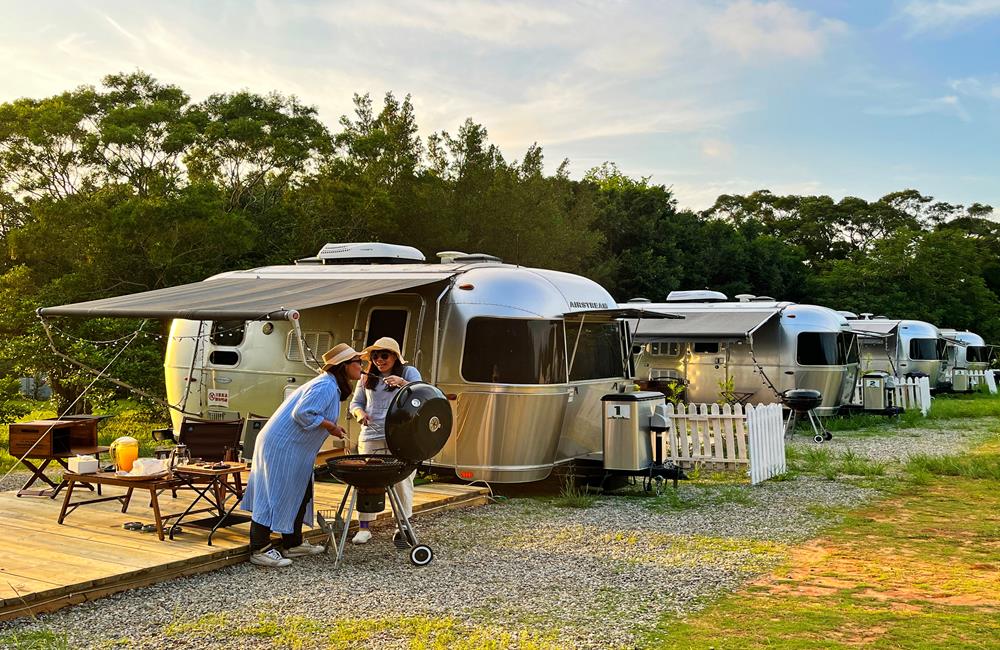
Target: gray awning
x,y
241,298
866,327
715,324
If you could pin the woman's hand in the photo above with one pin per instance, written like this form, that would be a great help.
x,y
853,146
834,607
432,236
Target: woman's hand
x,y
334,429
395,382
362,416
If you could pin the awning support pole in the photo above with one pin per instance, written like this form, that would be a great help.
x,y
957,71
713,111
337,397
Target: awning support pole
x,y
753,357
293,316
190,372
435,366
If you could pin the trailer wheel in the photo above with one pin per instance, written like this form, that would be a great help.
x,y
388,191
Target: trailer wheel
x,y
827,436
818,438
421,555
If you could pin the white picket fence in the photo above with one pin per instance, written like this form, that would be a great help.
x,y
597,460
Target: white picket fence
x,y
977,377
911,393
727,437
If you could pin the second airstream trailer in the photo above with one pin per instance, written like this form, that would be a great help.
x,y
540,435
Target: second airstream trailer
x,y
902,348
748,351
524,354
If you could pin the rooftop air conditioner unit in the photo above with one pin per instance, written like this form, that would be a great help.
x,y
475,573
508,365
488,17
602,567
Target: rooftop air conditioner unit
x,y
365,253
701,295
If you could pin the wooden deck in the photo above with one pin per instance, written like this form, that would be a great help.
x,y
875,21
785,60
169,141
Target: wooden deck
x,y
45,566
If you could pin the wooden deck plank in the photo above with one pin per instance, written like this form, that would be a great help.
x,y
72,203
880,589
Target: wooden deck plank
x,y
45,566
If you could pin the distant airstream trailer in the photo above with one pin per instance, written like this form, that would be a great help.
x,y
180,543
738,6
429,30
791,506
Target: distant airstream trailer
x,y
902,348
758,347
965,351
524,354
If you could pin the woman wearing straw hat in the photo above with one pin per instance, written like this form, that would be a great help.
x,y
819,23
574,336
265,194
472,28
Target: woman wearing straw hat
x,y
279,491
387,372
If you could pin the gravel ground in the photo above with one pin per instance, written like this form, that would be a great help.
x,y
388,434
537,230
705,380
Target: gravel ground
x,y
594,577
17,479
940,440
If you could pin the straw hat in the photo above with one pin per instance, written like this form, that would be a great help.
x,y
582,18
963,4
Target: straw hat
x,y
384,343
339,354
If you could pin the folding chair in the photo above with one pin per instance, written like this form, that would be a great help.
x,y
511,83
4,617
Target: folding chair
x,y
211,441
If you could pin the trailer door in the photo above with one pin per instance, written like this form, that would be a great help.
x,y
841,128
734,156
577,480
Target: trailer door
x,y
398,316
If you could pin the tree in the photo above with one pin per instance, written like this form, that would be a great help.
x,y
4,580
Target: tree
x,y
143,128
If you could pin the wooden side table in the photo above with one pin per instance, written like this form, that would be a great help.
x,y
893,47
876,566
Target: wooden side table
x,y
214,486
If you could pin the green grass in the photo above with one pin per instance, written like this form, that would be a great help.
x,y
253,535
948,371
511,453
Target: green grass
x,y
976,466
959,405
824,461
128,420
572,495
418,632
36,640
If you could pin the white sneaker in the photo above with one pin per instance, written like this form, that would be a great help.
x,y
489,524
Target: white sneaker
x,y
363,536
270,557
303,549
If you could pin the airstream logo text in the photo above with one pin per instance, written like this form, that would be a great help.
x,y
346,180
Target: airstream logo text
x,y
576,304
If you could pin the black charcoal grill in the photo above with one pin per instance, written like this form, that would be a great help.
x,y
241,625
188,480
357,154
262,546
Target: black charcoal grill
x,y
417,426
801,402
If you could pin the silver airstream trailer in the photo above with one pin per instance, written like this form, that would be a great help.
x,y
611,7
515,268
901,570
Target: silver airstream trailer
x,y
965,352
524,354
748,351
901,347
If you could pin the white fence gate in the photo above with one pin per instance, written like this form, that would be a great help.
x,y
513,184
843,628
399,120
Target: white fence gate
x,y
727,437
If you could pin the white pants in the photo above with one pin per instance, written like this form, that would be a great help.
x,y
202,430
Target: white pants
x,y
404,489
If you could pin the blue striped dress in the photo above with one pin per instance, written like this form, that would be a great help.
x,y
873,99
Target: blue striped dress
x,y
285,453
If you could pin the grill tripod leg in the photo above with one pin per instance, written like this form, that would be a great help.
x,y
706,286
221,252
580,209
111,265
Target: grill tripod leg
x,y
790,425
350,499
818,428
401,519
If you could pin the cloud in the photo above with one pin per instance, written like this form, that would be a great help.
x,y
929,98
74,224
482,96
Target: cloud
x,y
928,15
507,24
947,105
978,88
716,149
772,29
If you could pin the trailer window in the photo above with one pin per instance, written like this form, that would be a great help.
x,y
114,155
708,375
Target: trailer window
x,y
706,348
514,351
224,358
977,354
924,349
598,352
667,349
818,349
227,332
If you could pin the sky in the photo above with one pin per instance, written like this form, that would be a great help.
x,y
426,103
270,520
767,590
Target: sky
x,y
709,97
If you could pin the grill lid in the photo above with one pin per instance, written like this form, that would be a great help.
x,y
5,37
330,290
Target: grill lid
x,y
802,399
418,422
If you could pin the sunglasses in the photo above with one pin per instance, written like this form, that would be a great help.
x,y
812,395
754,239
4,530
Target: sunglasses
x,y
381,355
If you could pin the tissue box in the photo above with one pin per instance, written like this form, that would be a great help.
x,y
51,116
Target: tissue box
x,y
148,466
83,464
